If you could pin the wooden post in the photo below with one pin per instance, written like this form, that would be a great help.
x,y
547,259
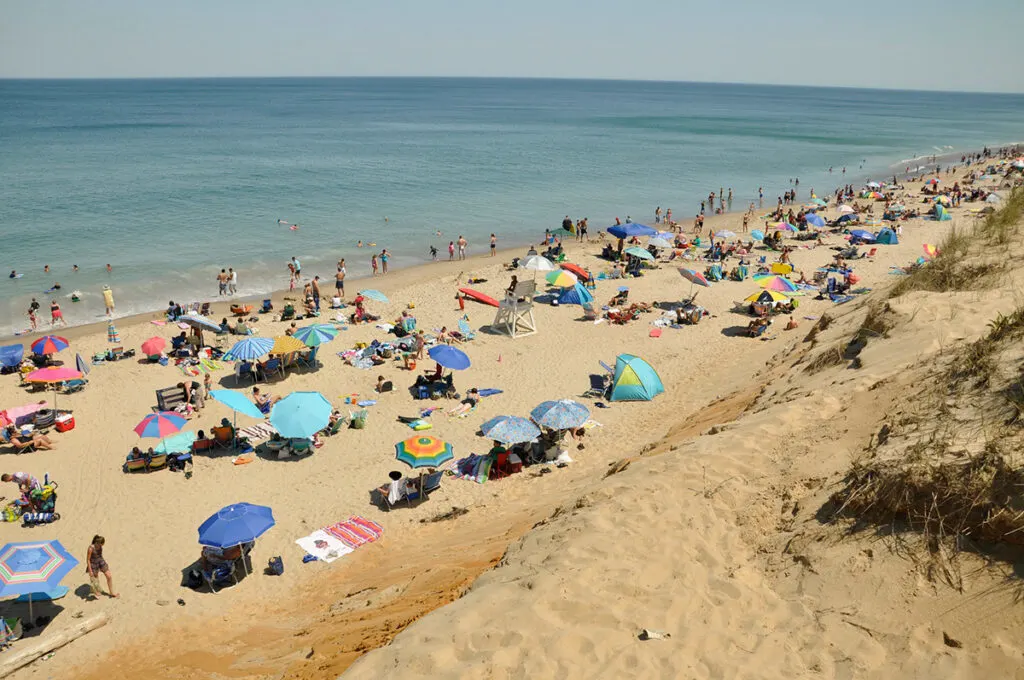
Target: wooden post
x,y
12,662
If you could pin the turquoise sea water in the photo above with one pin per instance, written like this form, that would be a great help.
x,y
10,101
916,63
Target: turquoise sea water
x,y
170,180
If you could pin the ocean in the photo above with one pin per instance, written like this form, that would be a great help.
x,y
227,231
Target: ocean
x,y
169,181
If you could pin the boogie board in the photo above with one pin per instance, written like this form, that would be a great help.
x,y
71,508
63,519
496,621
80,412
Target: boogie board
x,y
479,297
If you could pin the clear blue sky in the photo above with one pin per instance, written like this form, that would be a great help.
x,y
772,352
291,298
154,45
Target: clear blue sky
x,y
919,44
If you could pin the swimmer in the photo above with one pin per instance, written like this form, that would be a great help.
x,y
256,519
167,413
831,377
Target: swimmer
x,y
385,218
294,227
438,233
74,267
46,269
14,274
359,245
109,269
282,222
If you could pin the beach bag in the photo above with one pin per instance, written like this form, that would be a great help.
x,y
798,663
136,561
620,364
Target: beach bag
x,y
275,566
358,422
31,518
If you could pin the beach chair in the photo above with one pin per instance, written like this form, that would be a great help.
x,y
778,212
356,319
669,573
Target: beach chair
x,y
872,252
268,306
157,462
272,367
288,312
598,387
467,332
300,446
309,361
169,398
134,465
10,631
18,445
219,574
76,385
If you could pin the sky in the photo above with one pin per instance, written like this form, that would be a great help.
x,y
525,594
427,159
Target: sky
x,y
909,44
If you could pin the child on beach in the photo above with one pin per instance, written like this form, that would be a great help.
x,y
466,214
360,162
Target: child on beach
x,y
95,565
451,250
433,253
373,263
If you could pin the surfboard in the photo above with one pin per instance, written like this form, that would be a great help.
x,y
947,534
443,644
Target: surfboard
x,y
478,296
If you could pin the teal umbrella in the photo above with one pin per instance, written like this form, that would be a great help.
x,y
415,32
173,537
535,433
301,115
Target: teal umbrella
x,y
176,443
642,253
372,294
316,335
300,414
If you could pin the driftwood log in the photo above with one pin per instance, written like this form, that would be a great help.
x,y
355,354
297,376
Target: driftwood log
x,y
24,656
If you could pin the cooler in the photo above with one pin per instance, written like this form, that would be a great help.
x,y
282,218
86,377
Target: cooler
x,y
64,422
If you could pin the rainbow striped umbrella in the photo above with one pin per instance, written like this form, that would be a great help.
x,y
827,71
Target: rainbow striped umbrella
x,y
160,424
779,284
423,451
784,226
562,279
930,251
33,567
50,344
765,296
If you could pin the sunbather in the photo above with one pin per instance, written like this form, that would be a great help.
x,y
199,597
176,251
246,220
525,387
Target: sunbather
x,y
468,404
37,440
264,402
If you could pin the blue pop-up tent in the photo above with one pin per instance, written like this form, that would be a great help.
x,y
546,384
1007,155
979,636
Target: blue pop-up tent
x,y
11,355
577,295
634,380
941,214
887,237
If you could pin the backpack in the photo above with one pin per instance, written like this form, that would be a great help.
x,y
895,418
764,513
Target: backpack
x,y
275,566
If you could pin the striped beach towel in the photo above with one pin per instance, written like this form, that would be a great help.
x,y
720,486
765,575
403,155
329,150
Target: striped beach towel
x,y
258,432
355,531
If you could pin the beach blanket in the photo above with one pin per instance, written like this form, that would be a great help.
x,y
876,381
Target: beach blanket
x,y
258,432
356,531
840,299
473,468
323,546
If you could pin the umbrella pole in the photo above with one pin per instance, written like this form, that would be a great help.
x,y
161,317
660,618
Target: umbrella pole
x,y
31,618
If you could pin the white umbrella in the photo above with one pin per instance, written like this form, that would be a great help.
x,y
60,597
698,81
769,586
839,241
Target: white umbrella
x,y
659,243
846,210
725,233
537,263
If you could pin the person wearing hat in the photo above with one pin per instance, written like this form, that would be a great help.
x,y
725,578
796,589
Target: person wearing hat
x,y
108,299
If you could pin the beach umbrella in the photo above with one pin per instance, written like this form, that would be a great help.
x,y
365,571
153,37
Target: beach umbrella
x,y
783,226
176,443
160,424
933,181
576,295
236,524
250,348
815,220
316,335
286,344
873,185
930,251
944,200
863,235
638,252
33,567
846,210
372,294
237,402
777,283
561,279
154,345
423,451
200,322
818,202
848,217
53,375
563,414
81,364
449,357
300,414
510,430
49,344
537,263
876,195
11,355
757,235
765,296
694,277
659,242
579,271
725,234
630,229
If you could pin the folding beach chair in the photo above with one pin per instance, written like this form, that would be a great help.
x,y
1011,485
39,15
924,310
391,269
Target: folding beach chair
x,y
465,330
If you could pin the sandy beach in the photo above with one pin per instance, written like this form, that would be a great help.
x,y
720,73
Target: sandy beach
x,y
687,539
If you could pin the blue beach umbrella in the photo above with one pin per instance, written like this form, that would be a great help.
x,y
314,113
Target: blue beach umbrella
x,y
316,335
235,524
372,294
560,415
510,430
176,443
848,217
631,229
757,235
250,348
449,357
33,567
300,414
237,402
863,235
815,220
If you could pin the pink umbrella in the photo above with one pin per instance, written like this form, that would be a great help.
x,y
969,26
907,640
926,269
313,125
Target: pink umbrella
x,y
154,345
53,375
160,424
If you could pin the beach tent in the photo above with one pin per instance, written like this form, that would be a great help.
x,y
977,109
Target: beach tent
x,y
577,295
887,237
11,355
634,380
941,214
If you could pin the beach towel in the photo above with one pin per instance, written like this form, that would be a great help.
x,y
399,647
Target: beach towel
x,y
258,432
655,333
355,531
323,546
489,392
158,323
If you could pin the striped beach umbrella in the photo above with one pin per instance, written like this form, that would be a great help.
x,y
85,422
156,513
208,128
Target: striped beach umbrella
x,y
33,567
694,277
777,283
315,335
561,279
250,348
766,296
423,451
930,251
285,344
159,425
49,344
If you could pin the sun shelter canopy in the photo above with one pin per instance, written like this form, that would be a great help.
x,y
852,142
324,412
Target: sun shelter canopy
x,y
11,355
577,295
634,380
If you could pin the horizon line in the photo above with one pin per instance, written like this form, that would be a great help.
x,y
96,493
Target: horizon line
x,y
524,78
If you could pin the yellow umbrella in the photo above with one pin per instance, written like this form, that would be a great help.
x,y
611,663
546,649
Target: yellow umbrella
x,y
766,296
284,344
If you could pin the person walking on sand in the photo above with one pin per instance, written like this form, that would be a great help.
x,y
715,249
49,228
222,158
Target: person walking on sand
x,y
494,244
373,263
232,281
96,565
33,322
451,250
462,247
298,268
339,280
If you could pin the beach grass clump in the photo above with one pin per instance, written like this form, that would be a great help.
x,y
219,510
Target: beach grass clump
x,y
978,361
877,322
833,356
820,325
999,227
948,271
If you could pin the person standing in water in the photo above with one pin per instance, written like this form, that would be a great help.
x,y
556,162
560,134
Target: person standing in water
x,y
384,256
494,244
339,280
108,299
462,247
451,250
96,565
